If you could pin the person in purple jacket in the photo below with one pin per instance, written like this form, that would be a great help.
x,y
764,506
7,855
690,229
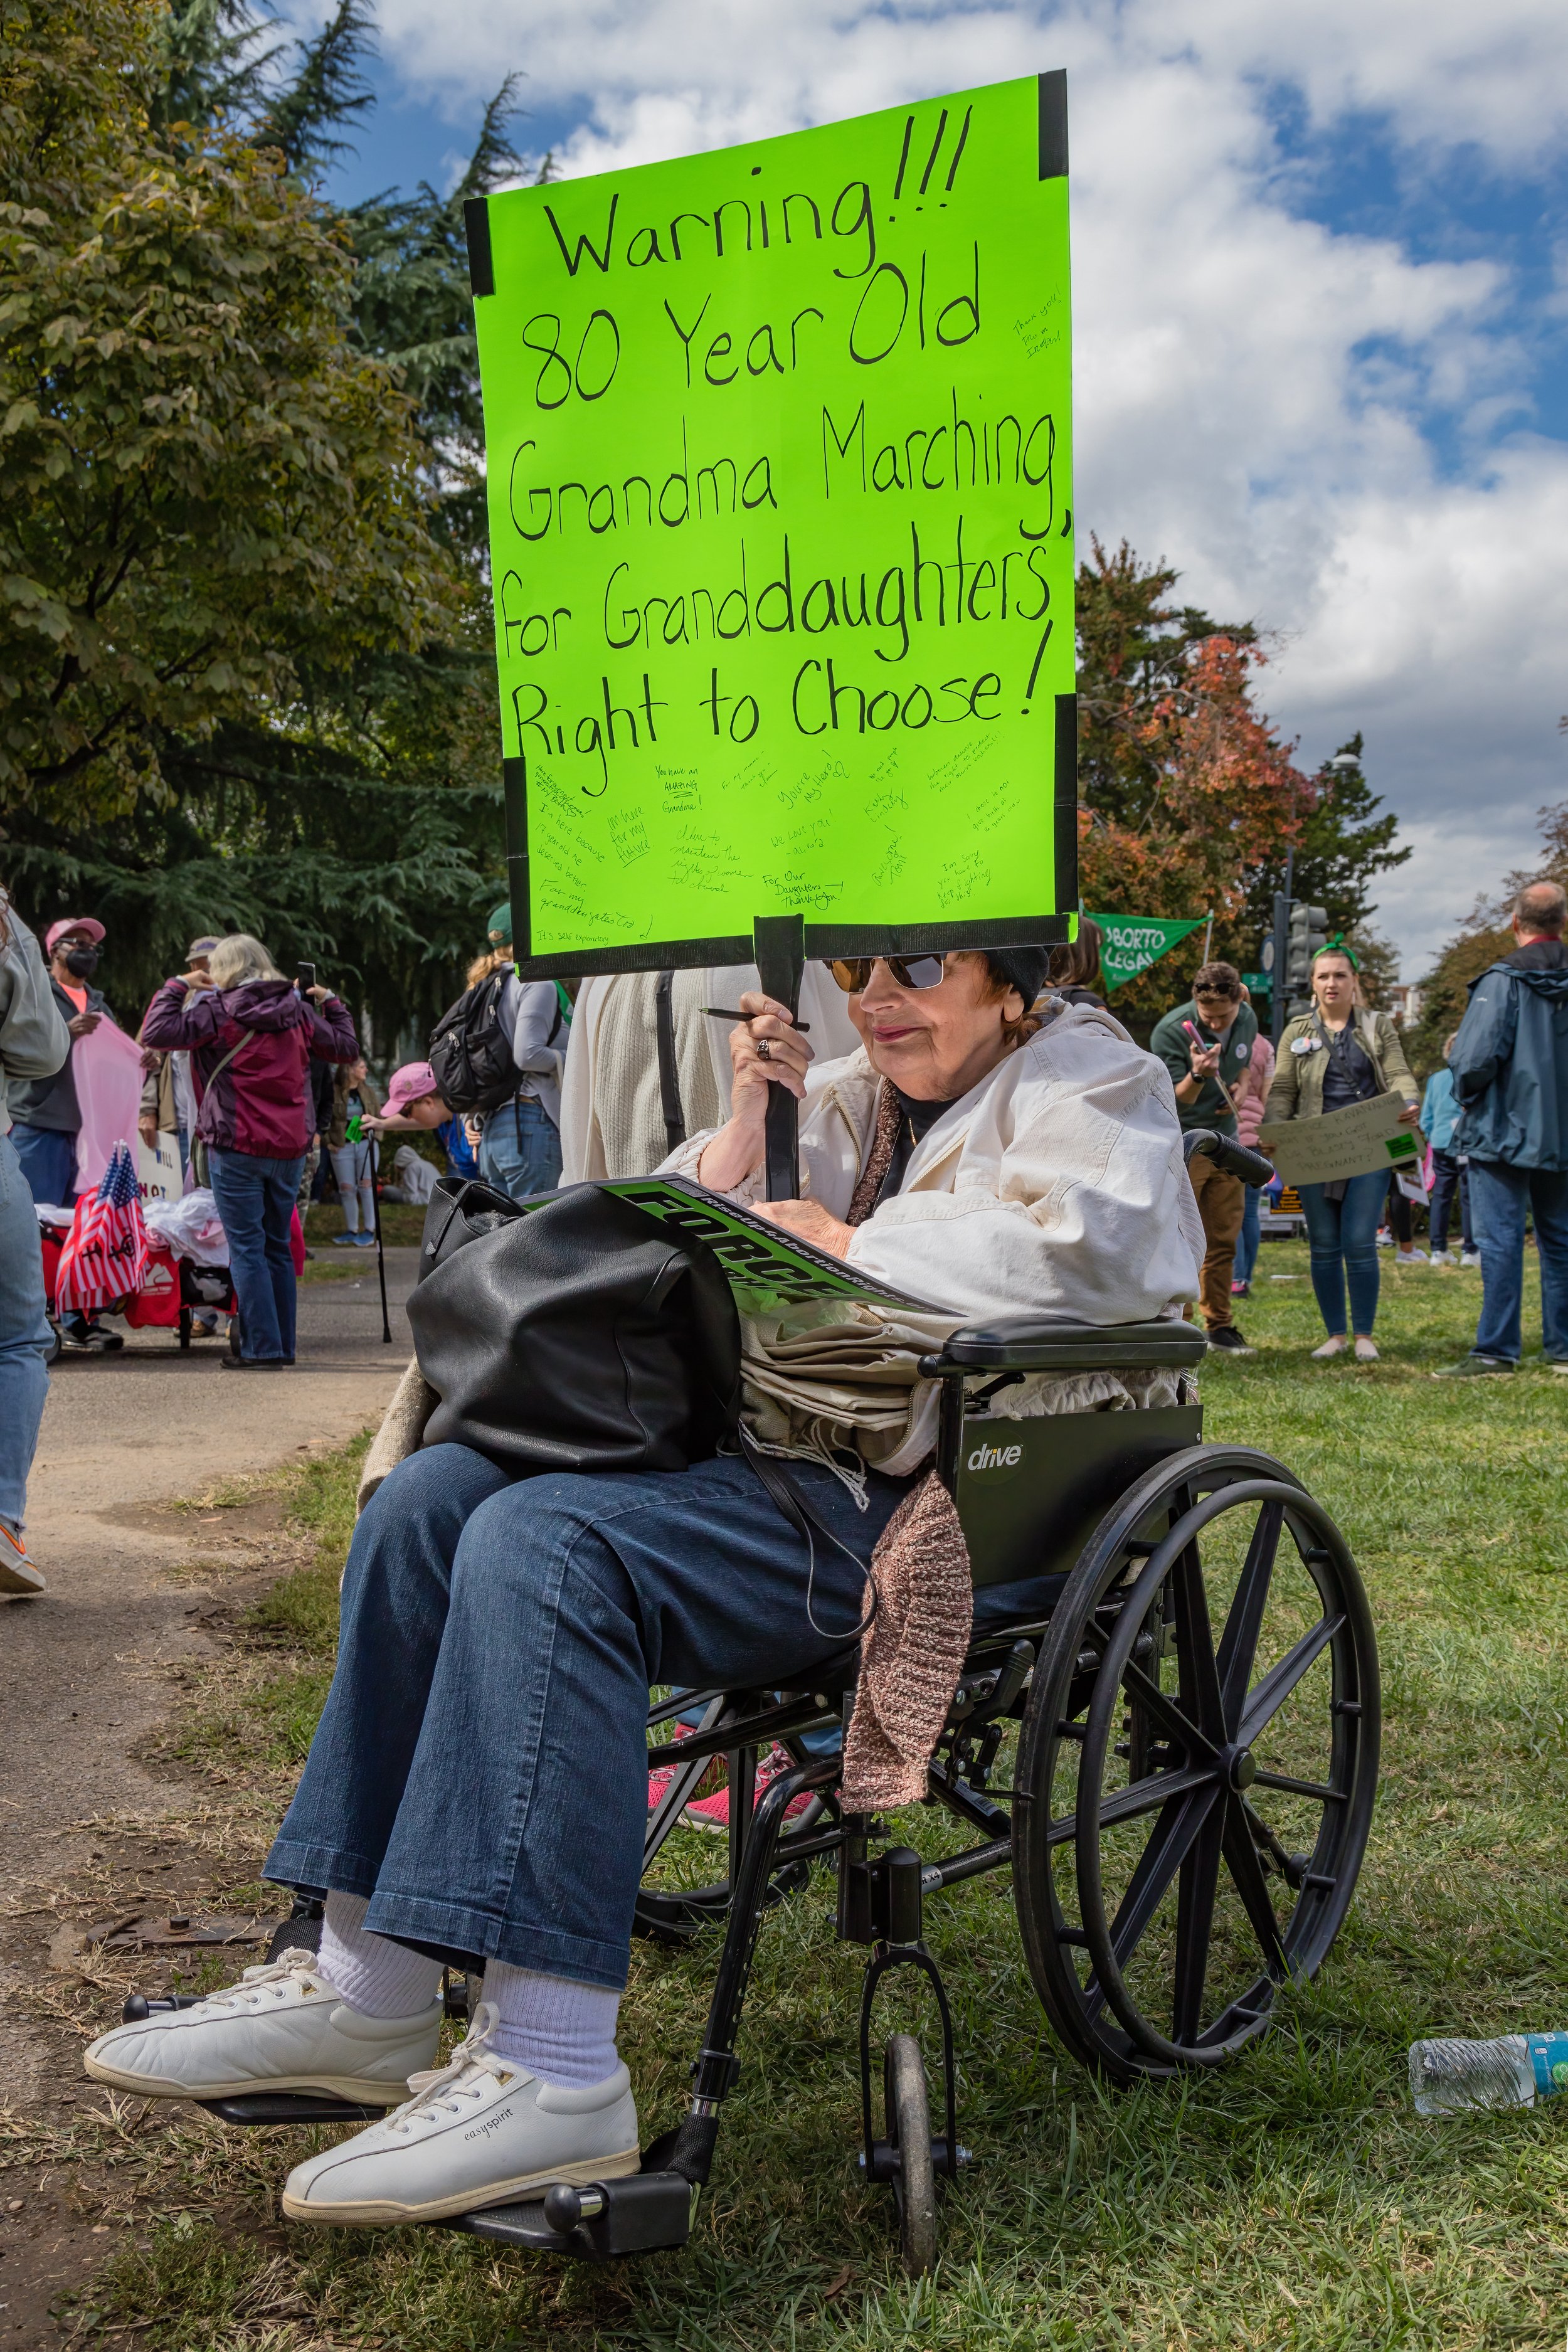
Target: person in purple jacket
x,y
251,1040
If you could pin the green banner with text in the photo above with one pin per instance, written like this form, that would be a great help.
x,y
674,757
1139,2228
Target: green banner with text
x,y
779,455
1132,943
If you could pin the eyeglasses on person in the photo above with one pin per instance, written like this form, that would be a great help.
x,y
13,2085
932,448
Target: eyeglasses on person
x,y
853,972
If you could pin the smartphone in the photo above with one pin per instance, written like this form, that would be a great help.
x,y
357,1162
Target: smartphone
x,y
305,973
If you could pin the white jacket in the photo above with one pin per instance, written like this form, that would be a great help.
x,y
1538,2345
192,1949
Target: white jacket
x,y
1055,1187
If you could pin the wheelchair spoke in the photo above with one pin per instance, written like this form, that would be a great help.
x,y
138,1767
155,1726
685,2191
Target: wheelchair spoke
x,y
1238,1644
1157,1865
1241,1860
1146,1796
1278,1683
1165,1712
1194,1924
1198,1678
1319,1791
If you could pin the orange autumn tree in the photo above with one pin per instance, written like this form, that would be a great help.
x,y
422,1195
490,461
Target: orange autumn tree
x,y
1185,791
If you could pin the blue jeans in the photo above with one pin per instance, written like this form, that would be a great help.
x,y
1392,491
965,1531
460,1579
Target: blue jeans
x,y
1342,1237
24,1336
256,1202
480,1770
519,1150
1448,1177
1248,1239
1499,1195
48,1164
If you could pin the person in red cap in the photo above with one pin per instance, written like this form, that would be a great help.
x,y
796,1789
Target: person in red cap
x,y
414,1100
45,1115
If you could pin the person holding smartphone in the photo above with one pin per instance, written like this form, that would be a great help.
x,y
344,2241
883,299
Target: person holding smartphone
x,y
1207,1045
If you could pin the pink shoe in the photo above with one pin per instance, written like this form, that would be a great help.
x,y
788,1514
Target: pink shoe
x,y
714,1813
657,1783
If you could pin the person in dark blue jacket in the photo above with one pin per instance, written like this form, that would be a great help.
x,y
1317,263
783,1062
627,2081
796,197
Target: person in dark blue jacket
x,y
1511,1073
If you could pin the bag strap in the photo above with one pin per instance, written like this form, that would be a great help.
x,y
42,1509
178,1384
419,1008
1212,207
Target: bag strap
x,y
807,1524
233,1054
669,1068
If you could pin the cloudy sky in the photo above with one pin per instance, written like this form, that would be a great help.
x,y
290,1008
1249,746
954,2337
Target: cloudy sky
x,y
1320,264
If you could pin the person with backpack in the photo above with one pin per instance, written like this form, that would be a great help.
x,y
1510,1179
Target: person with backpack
x,y
1510,1062
497,1058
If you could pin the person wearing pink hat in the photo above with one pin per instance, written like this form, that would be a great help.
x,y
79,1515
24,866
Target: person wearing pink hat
x,y
414,1099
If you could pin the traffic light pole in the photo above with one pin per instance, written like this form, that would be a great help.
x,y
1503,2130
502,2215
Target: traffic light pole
x,y
1278,984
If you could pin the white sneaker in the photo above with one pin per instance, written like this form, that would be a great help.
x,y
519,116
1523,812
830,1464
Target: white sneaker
x,y
1334,1345
1410,1257
1470,1257
1442,1258
281,2028
479,2131
1366,1350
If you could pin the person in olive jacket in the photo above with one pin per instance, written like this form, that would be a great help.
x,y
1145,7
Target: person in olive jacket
x,y
1337,1054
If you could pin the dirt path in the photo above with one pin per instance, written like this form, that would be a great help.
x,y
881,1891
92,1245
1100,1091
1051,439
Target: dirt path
x,y
84,1669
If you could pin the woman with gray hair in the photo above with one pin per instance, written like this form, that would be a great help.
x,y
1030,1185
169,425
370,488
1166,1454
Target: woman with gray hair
x,y
251,1037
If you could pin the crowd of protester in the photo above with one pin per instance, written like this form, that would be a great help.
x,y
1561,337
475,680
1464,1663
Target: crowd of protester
x,y
268,1096
672,1576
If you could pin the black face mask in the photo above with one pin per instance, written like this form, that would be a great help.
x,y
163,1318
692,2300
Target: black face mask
x,y
83,961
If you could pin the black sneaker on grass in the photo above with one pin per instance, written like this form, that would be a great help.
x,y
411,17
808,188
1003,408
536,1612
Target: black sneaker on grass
x,y
1230,1340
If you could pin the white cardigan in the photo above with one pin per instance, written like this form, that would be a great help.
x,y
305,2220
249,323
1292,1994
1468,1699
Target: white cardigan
x,y
1055,1187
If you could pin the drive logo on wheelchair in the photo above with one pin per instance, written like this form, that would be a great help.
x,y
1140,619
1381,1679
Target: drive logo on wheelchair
x,y
995,1458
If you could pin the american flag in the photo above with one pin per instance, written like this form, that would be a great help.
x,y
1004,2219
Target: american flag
x,y
106,1256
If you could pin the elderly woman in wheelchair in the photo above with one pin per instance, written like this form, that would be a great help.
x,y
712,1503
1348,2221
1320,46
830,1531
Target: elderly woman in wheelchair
x,y
477,1794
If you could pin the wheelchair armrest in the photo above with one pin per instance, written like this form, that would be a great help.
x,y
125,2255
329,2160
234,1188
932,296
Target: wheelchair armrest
x,y
1029,1343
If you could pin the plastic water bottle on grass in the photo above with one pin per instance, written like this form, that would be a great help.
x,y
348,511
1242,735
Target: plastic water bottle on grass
x,y
1516,2070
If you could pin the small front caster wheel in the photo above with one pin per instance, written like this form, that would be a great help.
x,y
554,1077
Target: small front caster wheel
x,y
907,2111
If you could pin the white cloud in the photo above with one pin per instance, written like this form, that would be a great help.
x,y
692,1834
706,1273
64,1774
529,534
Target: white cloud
x,y
1251,388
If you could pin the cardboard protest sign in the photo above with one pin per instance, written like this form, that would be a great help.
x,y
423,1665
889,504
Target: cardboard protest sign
x,y
1356,1141
779,455
1132,943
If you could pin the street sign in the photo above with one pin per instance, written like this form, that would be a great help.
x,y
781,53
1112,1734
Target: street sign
x,y
779,453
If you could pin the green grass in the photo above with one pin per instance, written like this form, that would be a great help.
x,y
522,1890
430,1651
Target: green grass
x,y
401,1225
1292,2200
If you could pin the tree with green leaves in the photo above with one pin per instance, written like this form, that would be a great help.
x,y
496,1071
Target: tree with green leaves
x,y
205,491
249,643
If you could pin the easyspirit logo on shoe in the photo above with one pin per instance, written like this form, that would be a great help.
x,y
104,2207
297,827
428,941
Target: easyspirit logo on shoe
x,y
482,2131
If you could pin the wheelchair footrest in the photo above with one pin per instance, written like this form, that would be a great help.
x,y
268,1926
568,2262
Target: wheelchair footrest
x,y
290,2107
639,2215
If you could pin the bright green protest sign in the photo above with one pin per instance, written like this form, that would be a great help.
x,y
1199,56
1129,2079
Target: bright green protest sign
x,y
1131,944
779,454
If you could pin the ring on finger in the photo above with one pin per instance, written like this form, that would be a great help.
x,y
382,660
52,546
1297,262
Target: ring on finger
x,y
764,1051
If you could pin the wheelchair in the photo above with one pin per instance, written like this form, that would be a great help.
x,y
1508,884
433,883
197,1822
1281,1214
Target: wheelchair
x,y
1188,1718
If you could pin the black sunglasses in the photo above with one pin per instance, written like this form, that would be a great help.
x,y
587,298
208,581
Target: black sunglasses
x,y
853,972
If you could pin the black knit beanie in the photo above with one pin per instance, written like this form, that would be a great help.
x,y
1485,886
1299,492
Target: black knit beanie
x,y
1025,969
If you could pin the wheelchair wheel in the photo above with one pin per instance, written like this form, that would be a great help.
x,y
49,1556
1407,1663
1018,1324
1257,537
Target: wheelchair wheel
x,y
1197,1765
908,2122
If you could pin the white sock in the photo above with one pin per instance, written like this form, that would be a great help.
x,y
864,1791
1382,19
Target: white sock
x,y
378,1978
562,2031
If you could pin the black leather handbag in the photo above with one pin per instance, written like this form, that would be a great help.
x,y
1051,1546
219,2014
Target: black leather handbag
x,y
579,1335
461,1209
